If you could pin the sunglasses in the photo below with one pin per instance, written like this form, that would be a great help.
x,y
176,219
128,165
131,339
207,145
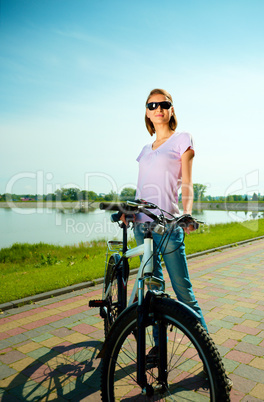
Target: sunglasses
x,y
155,105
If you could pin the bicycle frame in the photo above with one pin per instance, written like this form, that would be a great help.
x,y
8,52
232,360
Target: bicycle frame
x,y
146,267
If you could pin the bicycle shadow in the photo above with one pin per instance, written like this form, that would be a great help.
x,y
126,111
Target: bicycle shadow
x,y
69,372
191,382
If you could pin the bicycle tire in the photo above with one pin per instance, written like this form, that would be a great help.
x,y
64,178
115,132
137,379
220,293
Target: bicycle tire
x,y
111,311
190,349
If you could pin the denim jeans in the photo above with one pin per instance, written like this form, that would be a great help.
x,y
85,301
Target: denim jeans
x,y
173,252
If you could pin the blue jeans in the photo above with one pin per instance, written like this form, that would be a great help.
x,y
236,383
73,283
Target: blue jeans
x,y
173,252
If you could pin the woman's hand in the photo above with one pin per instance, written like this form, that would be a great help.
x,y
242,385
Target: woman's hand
x,y
190,224
189,228
123,219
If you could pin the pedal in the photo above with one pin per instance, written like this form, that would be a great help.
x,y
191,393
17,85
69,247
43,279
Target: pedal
x,y
97,303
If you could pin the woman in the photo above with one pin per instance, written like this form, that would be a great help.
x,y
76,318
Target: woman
x,y
164,166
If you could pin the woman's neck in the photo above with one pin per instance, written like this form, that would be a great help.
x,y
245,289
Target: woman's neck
x,y
163,133
161,137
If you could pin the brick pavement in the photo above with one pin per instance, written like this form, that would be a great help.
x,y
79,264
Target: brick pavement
x,y
48,349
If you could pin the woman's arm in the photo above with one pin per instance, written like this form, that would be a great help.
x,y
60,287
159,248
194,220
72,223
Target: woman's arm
x,y
187,185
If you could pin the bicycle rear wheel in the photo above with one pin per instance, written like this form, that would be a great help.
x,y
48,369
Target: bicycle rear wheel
x,y
111,311
190,350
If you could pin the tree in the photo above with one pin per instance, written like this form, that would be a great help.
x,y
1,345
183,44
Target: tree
x,y
69,194
112,196
128,193
198,191
230,198
7,197
50,197
85,195
238,197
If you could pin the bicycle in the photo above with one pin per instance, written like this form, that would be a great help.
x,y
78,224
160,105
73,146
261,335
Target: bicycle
x,y
187,365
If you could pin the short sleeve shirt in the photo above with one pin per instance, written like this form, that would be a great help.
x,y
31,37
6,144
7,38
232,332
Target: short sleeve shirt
x,y
160,173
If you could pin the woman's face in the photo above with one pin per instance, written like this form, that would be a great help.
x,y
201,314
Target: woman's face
x,y
159,115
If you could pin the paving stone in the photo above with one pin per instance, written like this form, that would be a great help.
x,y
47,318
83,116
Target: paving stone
x,y
250,373
222,350
258,362
62,332
250,398
17,339
92,320
4,344
230,343
240,357
242,384
11,357
41,338
84,328
254,317
221,324
37,353
230,365
226,301
246,330
29,347
6,371
234,320
255,340
258,391
21,364
249,348
244,309
63,322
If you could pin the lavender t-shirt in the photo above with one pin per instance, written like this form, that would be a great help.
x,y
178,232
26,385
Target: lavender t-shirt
x,y
160,173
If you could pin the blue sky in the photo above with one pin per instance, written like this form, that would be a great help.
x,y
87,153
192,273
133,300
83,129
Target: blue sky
x,y
74,77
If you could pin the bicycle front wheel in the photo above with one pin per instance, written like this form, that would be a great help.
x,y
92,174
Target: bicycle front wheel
x,y
194,366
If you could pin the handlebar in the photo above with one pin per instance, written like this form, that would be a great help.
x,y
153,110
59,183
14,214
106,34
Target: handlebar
x,y
134,207
127,207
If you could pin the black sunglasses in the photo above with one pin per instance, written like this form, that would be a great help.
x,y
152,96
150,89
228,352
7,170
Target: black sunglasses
x,y
155,105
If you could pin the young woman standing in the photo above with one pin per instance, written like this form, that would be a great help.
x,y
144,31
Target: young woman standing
x,y
165,165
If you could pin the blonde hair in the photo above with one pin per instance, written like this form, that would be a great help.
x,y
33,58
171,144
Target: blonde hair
x,y
173,120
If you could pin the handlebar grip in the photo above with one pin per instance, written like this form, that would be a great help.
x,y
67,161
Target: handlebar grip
x,y
122,207
111,206
186,220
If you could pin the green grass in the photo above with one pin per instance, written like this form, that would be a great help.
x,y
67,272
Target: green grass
x,y
26,270
212,236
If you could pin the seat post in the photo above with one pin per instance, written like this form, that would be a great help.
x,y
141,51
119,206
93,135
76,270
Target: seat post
x,y
124,227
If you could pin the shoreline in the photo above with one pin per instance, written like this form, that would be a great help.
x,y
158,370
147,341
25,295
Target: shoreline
x,y
250,206
49,204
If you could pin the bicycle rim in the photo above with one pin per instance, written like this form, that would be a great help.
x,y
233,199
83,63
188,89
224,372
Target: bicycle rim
x,y
189,351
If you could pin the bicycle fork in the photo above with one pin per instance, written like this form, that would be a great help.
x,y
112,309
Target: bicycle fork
x,y
144,310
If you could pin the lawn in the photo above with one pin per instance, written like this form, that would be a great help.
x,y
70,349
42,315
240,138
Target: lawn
x,y
26,270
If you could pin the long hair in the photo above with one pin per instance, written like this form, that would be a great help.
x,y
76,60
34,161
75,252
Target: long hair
x,y
173,120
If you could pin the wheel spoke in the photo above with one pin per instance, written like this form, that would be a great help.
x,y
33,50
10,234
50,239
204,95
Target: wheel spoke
x,y
189,348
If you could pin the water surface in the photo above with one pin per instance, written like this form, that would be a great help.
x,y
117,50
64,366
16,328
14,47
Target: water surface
x,y
25,225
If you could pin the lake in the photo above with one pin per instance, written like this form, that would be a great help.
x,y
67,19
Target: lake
x,y
26,225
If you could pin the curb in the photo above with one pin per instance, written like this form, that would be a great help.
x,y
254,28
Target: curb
x,y
83,285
